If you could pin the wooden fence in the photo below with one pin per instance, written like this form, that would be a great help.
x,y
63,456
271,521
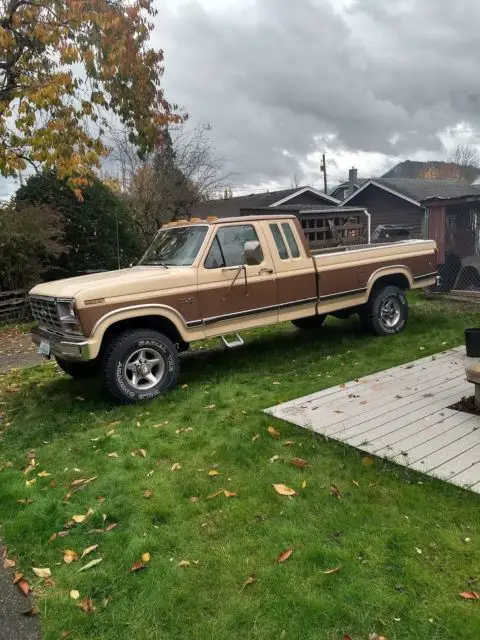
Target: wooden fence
x,y
14,306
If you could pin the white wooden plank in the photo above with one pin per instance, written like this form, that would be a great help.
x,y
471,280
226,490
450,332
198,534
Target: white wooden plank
x,y
388,412
464,459
406,412
405,371
453,429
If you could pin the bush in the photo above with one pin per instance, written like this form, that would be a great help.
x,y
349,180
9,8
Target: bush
x,y
91,225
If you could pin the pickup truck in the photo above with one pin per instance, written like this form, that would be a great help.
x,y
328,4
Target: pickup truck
x,y
204,278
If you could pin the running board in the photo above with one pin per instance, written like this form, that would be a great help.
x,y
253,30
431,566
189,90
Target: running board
x,y
238,342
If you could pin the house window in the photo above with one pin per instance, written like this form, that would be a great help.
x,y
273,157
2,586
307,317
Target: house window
x,y
292,243
277,236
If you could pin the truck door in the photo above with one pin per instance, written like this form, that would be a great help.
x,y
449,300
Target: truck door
x,y
232,295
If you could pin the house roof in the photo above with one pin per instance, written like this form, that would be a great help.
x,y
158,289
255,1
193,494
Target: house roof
x,y
415,191
224,208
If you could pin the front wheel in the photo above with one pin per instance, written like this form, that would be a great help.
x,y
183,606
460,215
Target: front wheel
x,y
140,365
309,324
386,312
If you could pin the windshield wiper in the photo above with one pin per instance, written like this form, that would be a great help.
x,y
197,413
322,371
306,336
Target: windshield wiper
x,y
157,263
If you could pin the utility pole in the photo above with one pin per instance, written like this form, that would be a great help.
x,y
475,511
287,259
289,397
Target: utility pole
x,y
323,169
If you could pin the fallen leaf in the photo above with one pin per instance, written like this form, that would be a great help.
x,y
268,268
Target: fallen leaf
x,y
82,482
214,472
8,564
374,636
210,406
114,454
193,499
249,581
42,573
145,557
330,571
111,526
299,462
273,432
33,611
283,490
229,494
335,491
25,501
355,483
74,594
24,587
288,443
304,484
419,551
43,474
184,564
276,382
52,537
49,582
137,566
347,637
92,563
65,635
184,386
88,550
18,577
86,605
78,519
274,458
470,595
256,437
283,557
30,483
225,492
147,494
69,556
176,466
367,461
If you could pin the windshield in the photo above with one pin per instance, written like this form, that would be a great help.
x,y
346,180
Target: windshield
x,y
175,247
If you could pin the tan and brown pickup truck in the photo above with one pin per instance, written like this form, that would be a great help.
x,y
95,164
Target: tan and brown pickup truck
x,y
212,277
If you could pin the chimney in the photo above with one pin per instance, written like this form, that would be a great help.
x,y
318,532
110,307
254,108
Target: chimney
x,y
352,178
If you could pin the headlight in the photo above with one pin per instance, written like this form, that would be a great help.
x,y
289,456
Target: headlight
x,y
68,317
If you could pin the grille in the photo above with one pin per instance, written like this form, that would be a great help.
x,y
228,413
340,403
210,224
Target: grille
x,y
44,311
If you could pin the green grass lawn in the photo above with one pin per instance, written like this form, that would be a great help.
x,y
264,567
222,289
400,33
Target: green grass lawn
x,y
400,540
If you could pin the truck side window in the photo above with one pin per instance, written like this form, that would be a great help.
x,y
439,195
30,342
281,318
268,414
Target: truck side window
x,y
228,245
277,236
292,243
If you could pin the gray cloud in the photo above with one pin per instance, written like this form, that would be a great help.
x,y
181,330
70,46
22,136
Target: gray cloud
x,y
273,75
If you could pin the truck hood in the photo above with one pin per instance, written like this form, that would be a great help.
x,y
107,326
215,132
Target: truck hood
x,y
113,284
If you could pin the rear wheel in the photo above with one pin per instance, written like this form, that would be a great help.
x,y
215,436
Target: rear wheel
x,y
386,312
79,370
140,365
309,324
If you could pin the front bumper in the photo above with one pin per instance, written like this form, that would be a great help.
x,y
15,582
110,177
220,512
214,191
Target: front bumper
x,y
61,347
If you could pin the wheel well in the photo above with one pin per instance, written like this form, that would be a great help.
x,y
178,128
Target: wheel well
x,y
157,323
399,280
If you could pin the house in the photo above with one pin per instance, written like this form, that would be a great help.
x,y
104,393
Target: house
x,y
230,207
400,200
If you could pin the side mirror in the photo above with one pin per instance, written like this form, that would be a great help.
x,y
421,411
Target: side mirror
x,y
253,254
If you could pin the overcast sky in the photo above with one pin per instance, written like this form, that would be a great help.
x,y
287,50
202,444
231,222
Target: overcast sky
x,y
368,81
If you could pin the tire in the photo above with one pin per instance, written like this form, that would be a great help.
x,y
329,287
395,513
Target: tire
x,y
386,312
130,351
79,370
309,324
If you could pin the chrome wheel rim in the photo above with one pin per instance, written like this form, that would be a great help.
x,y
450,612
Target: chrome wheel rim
x,y
144,369
390,312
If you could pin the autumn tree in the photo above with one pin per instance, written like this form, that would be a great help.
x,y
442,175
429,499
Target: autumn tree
x,y
67,67
183,170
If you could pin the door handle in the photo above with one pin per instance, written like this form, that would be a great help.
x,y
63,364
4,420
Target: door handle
x,y
269,271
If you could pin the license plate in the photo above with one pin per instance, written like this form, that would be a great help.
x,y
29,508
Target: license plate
x,y
44,348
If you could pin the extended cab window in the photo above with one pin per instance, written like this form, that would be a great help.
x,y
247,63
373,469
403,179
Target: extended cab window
x,y
292,243
228,246
277,236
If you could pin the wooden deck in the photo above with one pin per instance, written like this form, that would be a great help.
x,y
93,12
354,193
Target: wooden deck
x,y
402,415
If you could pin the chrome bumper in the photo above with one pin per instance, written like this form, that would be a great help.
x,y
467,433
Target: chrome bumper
x,y
61,347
